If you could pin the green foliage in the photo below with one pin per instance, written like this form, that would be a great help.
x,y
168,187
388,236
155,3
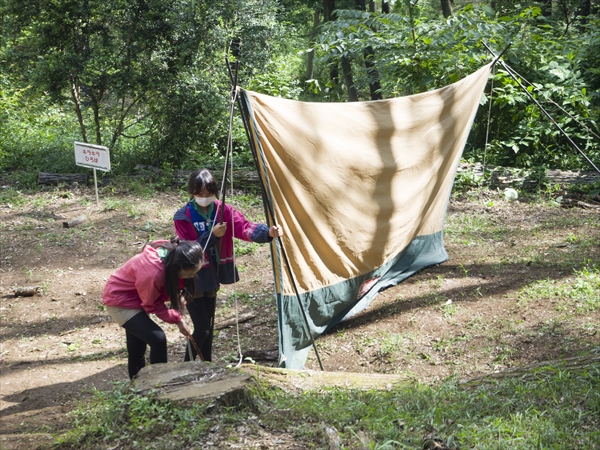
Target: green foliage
x,y
141,79
581,295
245,248
279,81
513,413
182,130
149,81
415,52
13,197
34,133
591,189
465,180
520,134
124,417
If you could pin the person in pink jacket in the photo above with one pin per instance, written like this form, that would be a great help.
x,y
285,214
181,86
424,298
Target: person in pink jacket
x,y
205,220
142,286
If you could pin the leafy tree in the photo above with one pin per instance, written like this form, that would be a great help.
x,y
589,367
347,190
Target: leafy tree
x,y
109,56
417,53
150,72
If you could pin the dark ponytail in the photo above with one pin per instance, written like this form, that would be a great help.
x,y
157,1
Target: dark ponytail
x,y
182,255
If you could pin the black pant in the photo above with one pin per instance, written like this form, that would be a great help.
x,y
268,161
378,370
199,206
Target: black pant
x,y
202,313
141,331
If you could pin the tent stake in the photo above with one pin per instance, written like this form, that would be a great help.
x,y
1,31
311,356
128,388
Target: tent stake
x,y
509,71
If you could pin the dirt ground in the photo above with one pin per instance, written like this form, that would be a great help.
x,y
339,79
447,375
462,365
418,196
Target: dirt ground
x,y
496,303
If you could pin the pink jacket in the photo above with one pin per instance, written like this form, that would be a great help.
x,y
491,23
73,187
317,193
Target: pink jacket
x,y
140,283
242,229
210,276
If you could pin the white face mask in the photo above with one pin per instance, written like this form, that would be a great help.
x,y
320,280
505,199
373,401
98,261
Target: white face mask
x,y
204,201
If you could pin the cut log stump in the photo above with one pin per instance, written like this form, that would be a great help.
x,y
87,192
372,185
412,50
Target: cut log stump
x,y
196,381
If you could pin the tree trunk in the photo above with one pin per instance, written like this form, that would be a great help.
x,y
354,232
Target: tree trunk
x,y
369,56
328,8
385,7
77,102
96,109
310,55
546,8
446,8
585,9
348,79
372,74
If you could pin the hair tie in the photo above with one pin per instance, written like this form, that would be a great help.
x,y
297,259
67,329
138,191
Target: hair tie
x,y
162,252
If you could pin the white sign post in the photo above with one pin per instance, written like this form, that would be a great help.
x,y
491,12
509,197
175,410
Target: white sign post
x,y
94,157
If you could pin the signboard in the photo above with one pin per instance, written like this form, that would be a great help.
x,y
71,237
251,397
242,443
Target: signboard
x,y
92,156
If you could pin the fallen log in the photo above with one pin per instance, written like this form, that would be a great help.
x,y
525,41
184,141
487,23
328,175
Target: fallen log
x,y
301,380
74,222
505,177
147,168
266,354
587,205
199,381
55,178
242,179
26,291
232,320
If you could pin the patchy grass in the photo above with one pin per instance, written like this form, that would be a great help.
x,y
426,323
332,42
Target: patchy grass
x,y
521,286
579,294
553,409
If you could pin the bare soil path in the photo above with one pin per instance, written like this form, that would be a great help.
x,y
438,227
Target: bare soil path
x,y
509,295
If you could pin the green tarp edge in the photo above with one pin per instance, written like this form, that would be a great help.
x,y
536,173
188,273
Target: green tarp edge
x,y
328,306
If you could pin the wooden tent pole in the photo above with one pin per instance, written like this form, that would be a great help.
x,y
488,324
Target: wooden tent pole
x,y
269,206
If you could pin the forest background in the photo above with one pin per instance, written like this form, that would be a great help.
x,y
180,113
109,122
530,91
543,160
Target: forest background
x,y
148,79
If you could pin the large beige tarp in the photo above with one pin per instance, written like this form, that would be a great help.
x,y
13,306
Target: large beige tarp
x,y
353,184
